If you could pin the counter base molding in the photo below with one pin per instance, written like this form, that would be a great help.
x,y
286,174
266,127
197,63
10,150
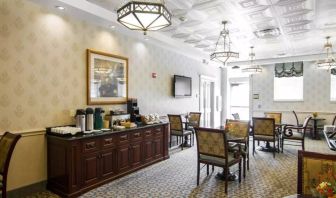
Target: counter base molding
x,y
80,163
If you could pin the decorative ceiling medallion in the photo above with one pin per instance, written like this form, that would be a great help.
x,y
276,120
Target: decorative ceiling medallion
x,y
252,69
146,16
268,33
329,62
223,47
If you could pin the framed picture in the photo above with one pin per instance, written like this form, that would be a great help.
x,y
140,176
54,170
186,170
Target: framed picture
x,y
107,78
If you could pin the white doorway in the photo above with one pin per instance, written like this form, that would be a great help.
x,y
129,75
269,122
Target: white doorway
x,y
239,98
207,101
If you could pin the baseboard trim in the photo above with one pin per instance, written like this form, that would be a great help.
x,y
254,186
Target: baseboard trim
x,y
27,190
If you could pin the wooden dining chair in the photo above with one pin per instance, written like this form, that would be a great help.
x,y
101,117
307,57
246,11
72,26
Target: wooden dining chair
x,y
314,168
194,120
212,149
239,131
177,129
263,129
7,145
295,133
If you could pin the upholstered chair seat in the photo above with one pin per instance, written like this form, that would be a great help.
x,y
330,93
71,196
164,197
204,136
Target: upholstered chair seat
x,y
180,133
232,159
264,137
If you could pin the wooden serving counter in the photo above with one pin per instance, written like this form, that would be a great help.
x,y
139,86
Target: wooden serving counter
x,y
77,164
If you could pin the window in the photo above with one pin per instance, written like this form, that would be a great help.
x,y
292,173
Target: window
x,y
333,87
288,81
288,89
239,99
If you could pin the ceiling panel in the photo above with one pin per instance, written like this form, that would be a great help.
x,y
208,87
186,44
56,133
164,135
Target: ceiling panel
x,y
303,24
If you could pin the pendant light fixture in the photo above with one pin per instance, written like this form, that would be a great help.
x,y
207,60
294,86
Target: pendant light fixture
x,y
222,54
252,69
144,15
329,62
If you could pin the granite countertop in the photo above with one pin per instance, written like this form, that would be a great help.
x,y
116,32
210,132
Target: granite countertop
x,y
100,133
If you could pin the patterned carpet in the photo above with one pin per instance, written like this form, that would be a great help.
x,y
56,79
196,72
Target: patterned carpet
x,y
176,177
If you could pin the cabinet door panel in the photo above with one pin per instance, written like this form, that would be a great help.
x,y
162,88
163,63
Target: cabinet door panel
x,y
136,153
148,151
158,147
108,163
90,168
123,153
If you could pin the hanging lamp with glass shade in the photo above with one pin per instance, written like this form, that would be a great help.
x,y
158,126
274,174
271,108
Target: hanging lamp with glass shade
x,y
144,15
252,69
223,47
329,62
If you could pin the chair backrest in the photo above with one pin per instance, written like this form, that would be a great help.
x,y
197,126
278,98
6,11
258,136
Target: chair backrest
x,y
175,122
296,118
7,145
194,119
314,168
334,121
211,142
236,116
276,116
237,128
263,126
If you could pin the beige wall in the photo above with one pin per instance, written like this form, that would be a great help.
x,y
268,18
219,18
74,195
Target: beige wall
x,y
43,76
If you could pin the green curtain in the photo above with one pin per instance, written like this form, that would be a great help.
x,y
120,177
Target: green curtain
x,y
293,69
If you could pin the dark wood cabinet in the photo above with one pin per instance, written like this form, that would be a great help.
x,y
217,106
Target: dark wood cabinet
x,y
77,164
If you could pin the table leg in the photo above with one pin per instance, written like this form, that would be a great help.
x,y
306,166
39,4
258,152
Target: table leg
x,y
315,132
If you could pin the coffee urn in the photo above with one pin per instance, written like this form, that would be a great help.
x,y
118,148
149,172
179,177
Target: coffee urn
x,y
98,118
80,119
89,119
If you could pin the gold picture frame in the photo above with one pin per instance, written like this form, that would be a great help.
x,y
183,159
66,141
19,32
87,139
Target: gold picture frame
x,y
107,78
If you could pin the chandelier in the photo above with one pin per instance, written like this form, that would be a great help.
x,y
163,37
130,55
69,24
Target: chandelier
x,y
222,54
252,69
144,15
329,62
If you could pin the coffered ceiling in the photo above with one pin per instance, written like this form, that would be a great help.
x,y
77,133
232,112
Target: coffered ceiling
x,y
286,27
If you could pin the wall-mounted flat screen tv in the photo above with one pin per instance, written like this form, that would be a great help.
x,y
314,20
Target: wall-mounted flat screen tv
x,y
182,86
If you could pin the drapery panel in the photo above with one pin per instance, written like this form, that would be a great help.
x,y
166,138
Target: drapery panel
x,y
293,69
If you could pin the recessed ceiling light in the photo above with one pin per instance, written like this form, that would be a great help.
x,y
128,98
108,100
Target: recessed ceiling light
x,y
112,26
60,7
146,38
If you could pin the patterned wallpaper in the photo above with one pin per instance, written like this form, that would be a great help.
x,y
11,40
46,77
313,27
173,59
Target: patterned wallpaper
x,y
316,92
43,68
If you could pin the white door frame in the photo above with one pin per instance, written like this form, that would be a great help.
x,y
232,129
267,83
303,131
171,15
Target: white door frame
x,y
212,81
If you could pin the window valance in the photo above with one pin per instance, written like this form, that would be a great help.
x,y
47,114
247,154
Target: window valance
x,y
293,69
333,71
